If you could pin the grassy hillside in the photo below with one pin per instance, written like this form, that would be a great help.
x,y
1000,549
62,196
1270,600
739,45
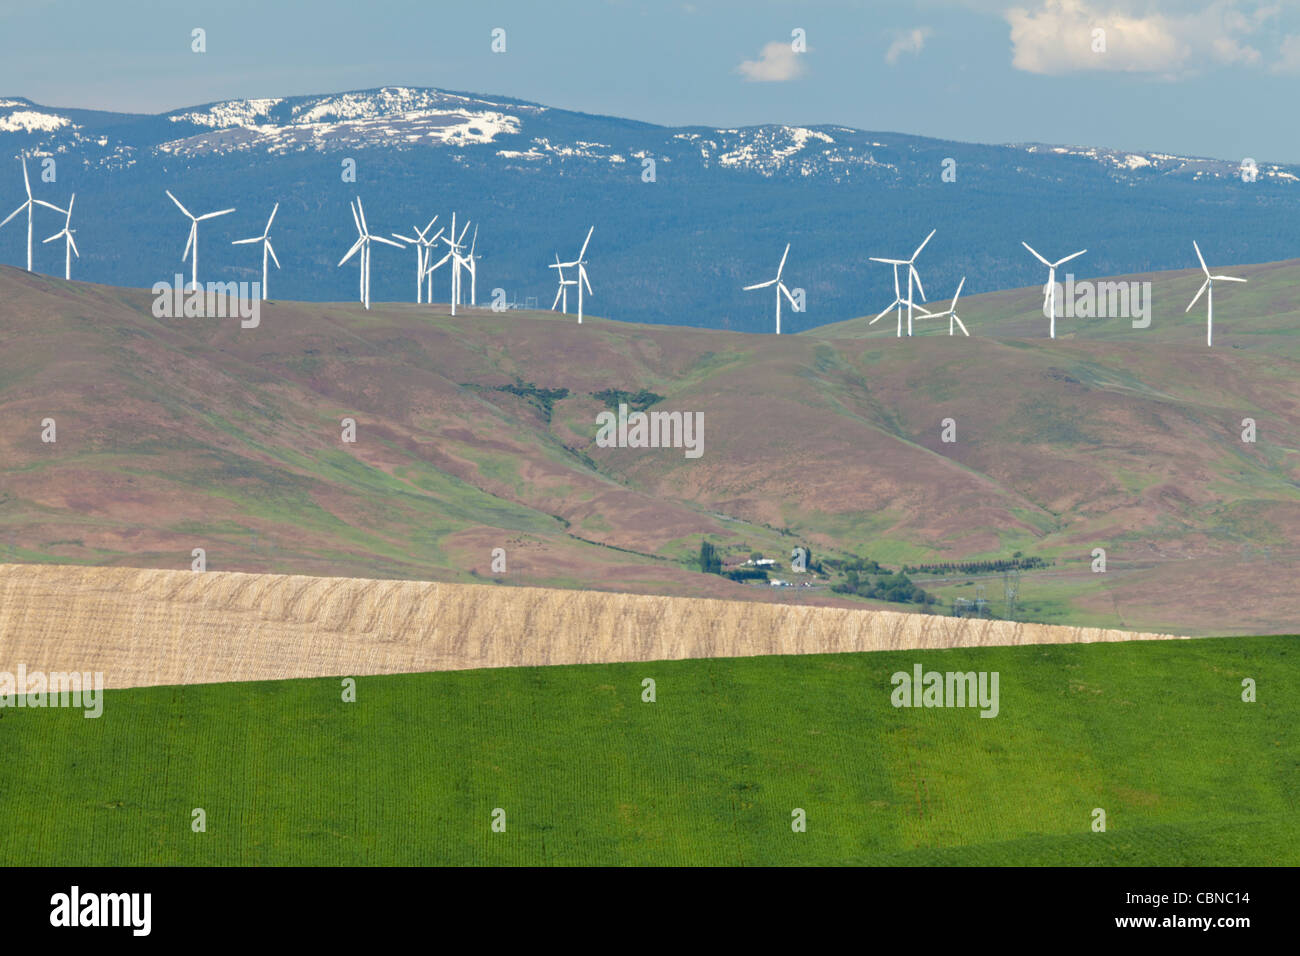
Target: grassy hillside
x,y
176,434
1155,734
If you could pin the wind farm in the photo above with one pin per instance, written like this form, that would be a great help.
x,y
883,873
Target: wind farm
x,y
356,561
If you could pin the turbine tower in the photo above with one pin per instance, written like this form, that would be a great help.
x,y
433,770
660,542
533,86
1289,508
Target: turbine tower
x,y
29,204
780,288
422,255
470,263
69,244
1049,290
362,245
192,243
950,312
912,275
1209,302
581,265
265,240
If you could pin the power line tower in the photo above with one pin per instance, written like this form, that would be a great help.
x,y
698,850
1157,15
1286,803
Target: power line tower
x,y
1010,592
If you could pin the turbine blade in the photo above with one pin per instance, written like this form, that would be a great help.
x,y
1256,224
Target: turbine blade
x,y
14,213
395,245
355,220
585,241
361,212
271,250
781,267
781,288
582,274
274,210
1229,279
50,205
922,245
178,204
761,285
214,215
917,277
960,324
194,229
53,237
558,292
1204,285
958,295
244,242
1035,252
1062,262
1204,267
27,183
73,242
352,252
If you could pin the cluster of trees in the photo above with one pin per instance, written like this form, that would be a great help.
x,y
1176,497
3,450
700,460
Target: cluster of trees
x,y
635,401
710,560
895,587
1016,562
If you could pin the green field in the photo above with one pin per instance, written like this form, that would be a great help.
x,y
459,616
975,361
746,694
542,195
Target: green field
x,y
1156,734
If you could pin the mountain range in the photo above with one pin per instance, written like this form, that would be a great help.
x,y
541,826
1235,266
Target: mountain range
x,y
676,250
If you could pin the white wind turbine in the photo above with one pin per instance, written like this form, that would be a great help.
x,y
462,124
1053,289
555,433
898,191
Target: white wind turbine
x,y
582,279
471,264
454,242
29,204
265,240
192,243
1049,291
1209,302
422,255
562,293
780,288
950,312
69,244
912,275
362,245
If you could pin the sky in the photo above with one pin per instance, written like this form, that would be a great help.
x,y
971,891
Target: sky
x,y
1194,77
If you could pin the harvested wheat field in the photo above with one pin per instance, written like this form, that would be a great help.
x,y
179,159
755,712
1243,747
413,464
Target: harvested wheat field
x,y
150,627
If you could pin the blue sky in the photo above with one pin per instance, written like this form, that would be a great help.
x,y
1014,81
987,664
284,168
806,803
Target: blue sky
x,y
1205,77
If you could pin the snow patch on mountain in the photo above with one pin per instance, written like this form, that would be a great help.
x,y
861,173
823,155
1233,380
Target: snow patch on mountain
x,y
31,121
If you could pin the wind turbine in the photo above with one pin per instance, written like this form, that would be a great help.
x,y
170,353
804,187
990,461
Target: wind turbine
x,y
265,240
1209,302
470,263
563,291
912,274
582,279
780,288
192,244
364,238
422,256
70,244
454,242
29,204
898,297
1049,291
950,312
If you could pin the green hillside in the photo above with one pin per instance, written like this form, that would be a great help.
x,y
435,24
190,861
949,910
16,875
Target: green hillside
x,y
1156,734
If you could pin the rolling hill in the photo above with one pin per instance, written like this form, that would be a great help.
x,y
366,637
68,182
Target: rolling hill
x,y
586,772
478,432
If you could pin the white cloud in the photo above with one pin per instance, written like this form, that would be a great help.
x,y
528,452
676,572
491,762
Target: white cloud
x,y
1059,36
776,63
912,41
1289,59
